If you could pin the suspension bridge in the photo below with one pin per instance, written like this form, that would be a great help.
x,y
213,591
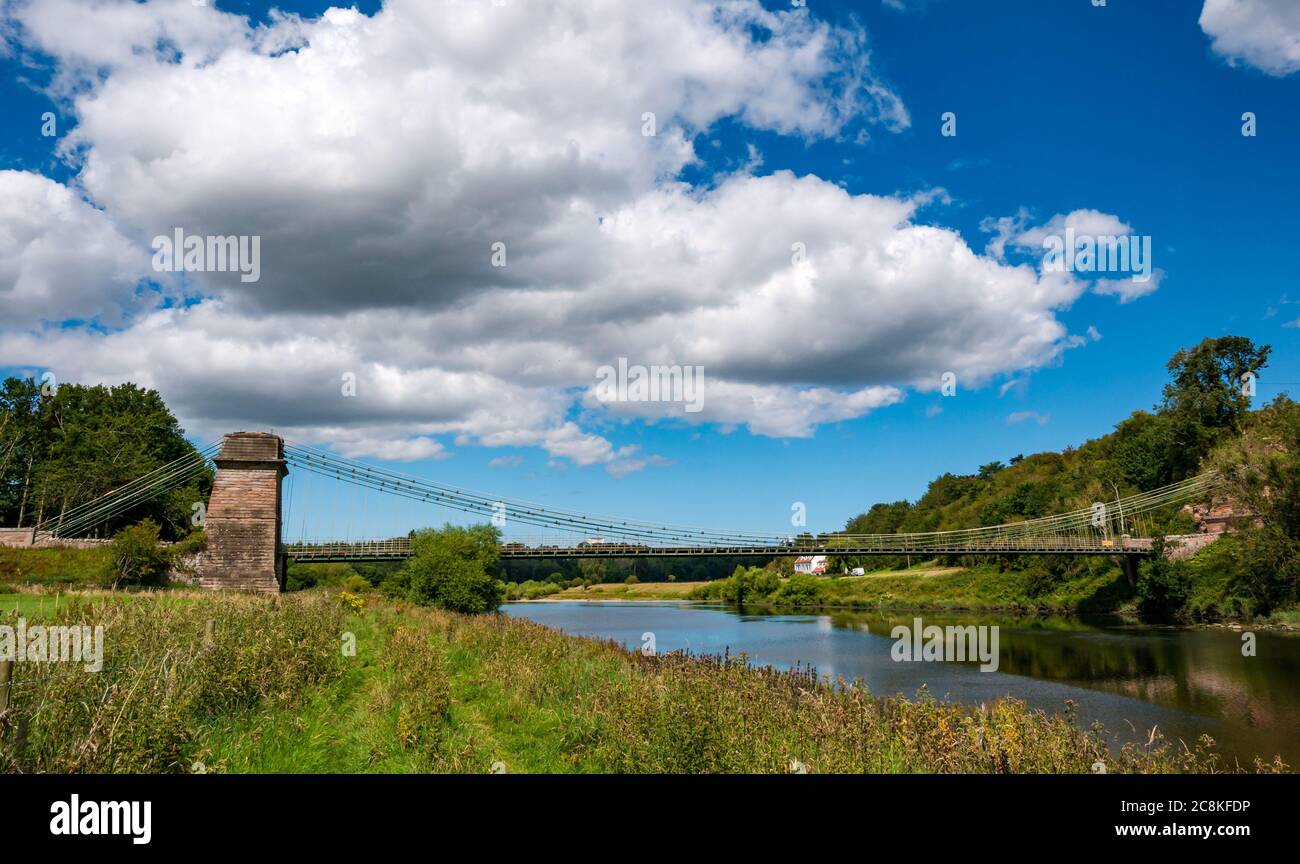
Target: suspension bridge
x,y
247,542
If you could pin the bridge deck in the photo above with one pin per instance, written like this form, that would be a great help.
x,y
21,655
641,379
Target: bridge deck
x,y
399,549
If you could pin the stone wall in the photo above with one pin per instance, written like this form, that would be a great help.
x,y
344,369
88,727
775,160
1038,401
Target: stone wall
x,y
23,538
16,537
1180,546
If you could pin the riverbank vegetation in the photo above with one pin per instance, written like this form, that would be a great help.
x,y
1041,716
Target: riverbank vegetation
x,y
308,683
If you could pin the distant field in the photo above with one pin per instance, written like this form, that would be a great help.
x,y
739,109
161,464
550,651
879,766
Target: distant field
x,y
620,591
848,586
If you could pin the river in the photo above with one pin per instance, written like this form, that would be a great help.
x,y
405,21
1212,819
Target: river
x,y
1185,681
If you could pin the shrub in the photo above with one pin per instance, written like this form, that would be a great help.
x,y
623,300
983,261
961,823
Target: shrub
x,y
631,579
801,589
303,576
531,589
355,583
453,568
136,558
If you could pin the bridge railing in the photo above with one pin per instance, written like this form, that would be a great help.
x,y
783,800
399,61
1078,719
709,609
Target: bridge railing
x,y
903,544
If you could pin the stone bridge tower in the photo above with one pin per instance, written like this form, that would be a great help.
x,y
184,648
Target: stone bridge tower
x,y
243,520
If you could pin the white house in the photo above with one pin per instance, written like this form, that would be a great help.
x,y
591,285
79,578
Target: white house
x,y
814,564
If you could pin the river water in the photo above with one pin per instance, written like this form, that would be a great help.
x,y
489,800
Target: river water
x,y
1185,681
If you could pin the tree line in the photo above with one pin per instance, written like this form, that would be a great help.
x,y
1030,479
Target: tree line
x,y
61,447
1204,421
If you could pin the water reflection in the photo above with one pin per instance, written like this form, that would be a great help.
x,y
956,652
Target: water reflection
x,y
1188,682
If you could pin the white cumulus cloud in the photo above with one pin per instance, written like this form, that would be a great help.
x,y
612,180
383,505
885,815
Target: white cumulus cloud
x,y
379,158
1264,34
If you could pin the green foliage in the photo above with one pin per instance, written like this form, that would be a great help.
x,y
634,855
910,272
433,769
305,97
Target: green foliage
x,y
453,568
79,442
744,585
530,590
300,577
801,589
1204,421
1140,447
1262,468
355,583
136,558
563,571
1163,586
1205,400
420,685
592,569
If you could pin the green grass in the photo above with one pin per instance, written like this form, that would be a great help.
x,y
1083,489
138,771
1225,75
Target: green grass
x,y
335,730
55,567
623,591
984,588
350,725
432,691
31,606
1098,587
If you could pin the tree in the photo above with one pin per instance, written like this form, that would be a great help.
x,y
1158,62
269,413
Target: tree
x,y
24,445
453,568
64,448
1141,449
1206,398
592,570
1163,586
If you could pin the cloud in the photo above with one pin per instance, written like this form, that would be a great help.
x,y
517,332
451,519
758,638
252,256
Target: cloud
x,y
1093,223
1015,234
408,450
379,157
1264,34
1017,417
1016,385
506,462
61,258
1128,290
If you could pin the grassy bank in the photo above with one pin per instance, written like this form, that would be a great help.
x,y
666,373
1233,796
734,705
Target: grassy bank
x,y
923,587
54,567
277,690
1099,587
637,591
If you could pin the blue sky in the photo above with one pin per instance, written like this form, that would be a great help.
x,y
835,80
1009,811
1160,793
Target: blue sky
x,y
1060,107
